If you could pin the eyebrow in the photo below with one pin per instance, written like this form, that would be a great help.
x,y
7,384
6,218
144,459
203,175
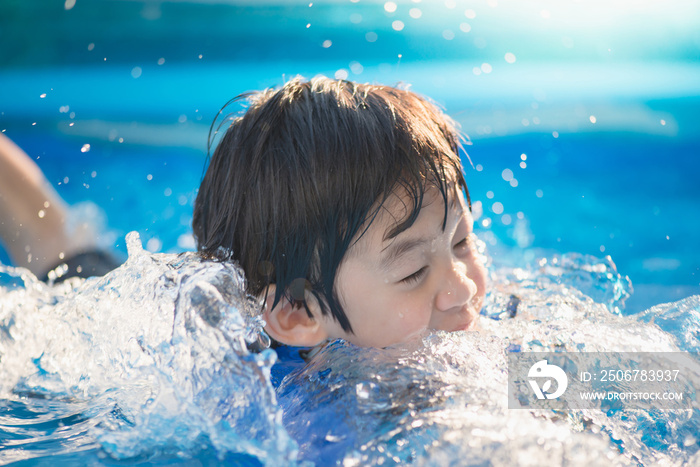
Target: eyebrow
x,y
399,248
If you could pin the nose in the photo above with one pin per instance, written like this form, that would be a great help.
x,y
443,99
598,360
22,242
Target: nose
x,y
456,288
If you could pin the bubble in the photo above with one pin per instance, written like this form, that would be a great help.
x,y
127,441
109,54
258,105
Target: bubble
x,y
397,25
69,4
327,43
523,156
447,34
390,7
507,175
471,14
167,192
489,194
592,119
415,13
523,165
136,72
476,70
497,207
91,46
161,61
85,148
514,182
465,27
539,193
356,68
555,134
371,36
506,219
479,167
663,122
41,96
486,67
93,174
41,214
355,18
182,118
341,74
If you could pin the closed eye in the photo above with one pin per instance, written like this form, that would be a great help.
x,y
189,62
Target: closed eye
x,y
416,276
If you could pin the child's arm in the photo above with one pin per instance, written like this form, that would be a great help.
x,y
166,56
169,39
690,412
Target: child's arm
x,y
33,226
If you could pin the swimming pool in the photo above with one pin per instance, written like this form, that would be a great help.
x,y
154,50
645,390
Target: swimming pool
x,y
577,154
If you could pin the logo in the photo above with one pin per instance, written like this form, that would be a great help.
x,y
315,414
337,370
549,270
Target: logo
x,y
542,369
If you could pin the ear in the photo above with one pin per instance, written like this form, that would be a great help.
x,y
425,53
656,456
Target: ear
x,y
290,324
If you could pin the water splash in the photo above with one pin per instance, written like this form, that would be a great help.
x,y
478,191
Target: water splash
x,y
151,362
154,354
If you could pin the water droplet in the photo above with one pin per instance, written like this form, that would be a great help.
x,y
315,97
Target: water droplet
x,y
356,67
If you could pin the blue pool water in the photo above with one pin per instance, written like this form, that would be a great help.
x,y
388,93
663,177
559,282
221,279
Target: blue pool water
x,y
149,365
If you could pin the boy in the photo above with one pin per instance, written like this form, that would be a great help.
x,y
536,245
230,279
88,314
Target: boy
x,y
345,206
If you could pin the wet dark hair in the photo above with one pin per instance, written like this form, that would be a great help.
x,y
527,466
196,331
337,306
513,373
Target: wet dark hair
x,y
304,171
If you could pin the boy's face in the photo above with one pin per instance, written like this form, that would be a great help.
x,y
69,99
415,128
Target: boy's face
x,y
425,278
